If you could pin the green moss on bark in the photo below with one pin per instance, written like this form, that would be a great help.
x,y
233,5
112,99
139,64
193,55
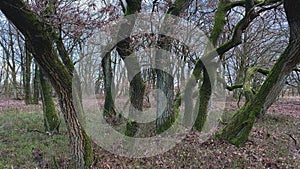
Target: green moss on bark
x,y
204,97
131,128
165,126
239,127
177,104
88,150
27,76
51,119
133,6
220,21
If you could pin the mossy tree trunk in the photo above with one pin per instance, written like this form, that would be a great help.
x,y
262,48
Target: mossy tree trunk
x,y
165,108
165,84
206,86
239,127
204,97
38,33
136,92
51,118
108,87
137,86
27,75
247,86
220,20
165,81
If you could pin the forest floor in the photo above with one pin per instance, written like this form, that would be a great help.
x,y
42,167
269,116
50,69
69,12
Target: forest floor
x,y
274,143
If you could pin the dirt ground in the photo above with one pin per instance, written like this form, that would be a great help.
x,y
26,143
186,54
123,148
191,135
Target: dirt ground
x,y
286,105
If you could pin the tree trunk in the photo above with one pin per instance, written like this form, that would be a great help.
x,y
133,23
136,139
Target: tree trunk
x,y
51,119
136,93
36,85
206,87
98,83
27,75
220,20
165,80
165,85
239,127
6,80
165,108
137,86
204,97
13,64
109,110
38,33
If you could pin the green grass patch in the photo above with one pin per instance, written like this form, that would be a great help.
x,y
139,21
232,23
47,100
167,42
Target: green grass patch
x,y
21,133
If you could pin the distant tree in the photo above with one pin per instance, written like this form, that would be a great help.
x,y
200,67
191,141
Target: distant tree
x,y
27,60
8,45
36,85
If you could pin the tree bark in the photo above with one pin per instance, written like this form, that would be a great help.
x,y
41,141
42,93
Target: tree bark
x,y
36,85
203,99
27,75
51,119
165,81
6,80
137,86
206,87
109,110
